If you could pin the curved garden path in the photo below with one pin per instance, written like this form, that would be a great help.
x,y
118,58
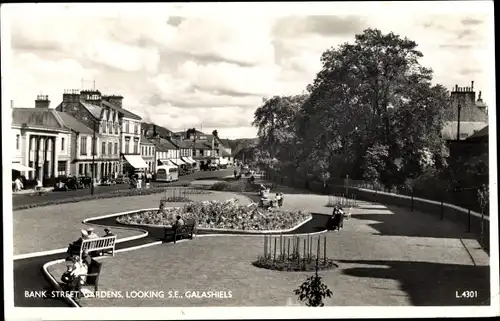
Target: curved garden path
x,y
387,256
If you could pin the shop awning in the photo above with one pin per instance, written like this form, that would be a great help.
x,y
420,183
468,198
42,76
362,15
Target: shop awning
x,y
188,160
177,161
136,161
21,168
167,162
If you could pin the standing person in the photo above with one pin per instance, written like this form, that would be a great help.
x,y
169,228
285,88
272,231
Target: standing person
x,y
39,185
18,185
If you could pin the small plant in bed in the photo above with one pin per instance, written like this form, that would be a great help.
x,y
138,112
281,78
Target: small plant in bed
x,y
299,252
178,199
220,214
293,263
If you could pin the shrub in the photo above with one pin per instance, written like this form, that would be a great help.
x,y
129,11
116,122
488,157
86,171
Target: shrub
x,y
122,193
216,214
220,186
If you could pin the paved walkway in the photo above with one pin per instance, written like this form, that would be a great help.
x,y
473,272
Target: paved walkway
x,y
387,256
54,227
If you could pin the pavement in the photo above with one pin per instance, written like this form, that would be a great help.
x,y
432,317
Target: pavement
x,y
28,198
387,255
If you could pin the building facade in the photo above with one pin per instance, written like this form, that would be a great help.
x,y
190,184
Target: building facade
x,y
116,130
42,142
148,152
466,115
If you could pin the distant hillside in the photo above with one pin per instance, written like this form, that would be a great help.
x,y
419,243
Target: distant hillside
x,y
240,143
162,131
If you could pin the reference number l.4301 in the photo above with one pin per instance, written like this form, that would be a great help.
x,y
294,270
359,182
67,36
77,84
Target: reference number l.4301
x,y
466,294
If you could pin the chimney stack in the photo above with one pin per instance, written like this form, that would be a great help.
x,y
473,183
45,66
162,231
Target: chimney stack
x,y
42,101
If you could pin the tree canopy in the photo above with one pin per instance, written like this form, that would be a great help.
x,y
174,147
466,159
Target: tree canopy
x,y
371,112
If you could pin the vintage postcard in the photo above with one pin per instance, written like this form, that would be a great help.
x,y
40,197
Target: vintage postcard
x,y
249,160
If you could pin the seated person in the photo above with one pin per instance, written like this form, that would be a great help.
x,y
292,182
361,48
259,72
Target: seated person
x,y
91,234
178,222
72,278
280,201
74,248
107,232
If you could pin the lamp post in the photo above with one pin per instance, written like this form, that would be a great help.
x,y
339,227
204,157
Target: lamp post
x,y
93,158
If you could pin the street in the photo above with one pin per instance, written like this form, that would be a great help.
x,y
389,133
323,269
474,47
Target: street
x,y
24,199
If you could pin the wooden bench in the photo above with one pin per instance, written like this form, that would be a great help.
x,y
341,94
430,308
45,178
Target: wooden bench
x,y
104,244
186,230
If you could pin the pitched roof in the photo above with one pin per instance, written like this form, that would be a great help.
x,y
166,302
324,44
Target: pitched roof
x,y
181,143
145,141
162,145
483,133
73,123
223,153
93,109
37,117
125,112
467,128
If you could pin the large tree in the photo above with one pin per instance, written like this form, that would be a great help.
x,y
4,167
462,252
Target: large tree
x,y
276,121
372,92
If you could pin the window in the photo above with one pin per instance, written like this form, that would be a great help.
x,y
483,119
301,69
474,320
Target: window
x,y
127,143
83,145
116,148
17,141
116,128
136,146
61,168
62,143
127,126
94,146
136,128
201,152
110,148
103,125
80,170
103,149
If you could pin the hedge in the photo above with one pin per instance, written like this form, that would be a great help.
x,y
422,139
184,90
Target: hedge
x,y
115,194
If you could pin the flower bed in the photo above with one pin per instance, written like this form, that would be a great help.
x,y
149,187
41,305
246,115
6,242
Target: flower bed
x,y
294,263
225,215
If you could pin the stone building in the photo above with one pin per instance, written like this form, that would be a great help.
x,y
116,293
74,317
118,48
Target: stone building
x,y
116,130
42,141
466,116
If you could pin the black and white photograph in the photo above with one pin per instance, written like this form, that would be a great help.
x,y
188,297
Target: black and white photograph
x,y
270,157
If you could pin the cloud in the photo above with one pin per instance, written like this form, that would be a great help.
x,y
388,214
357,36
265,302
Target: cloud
x,y
182,70
471,21
322,25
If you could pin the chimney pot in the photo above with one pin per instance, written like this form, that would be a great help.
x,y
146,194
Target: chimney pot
x,y
472,85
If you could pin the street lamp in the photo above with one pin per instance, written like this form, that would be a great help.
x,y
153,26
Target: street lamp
x,y
93,158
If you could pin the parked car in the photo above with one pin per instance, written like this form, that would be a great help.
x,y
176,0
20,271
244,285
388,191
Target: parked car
x,y
107,181
68,183
122,179
213,167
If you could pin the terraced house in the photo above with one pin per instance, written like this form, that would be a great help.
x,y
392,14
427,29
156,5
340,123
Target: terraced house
x,y
110,125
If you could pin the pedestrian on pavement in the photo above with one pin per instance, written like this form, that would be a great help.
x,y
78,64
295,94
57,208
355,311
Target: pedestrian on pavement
x,y
18,185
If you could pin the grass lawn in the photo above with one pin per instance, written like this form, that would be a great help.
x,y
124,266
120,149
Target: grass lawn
x,y
54,227
375,267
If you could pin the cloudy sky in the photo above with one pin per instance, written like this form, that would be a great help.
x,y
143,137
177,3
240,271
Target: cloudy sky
x,y
207,65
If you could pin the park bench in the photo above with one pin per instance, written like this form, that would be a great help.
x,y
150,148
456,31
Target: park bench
x,y
186,230
92,282
104,244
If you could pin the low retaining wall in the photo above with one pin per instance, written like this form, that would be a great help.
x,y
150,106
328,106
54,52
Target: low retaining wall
x,y
471,221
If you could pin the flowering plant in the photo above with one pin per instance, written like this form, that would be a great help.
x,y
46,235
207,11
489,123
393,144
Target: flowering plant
x,y
221,214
